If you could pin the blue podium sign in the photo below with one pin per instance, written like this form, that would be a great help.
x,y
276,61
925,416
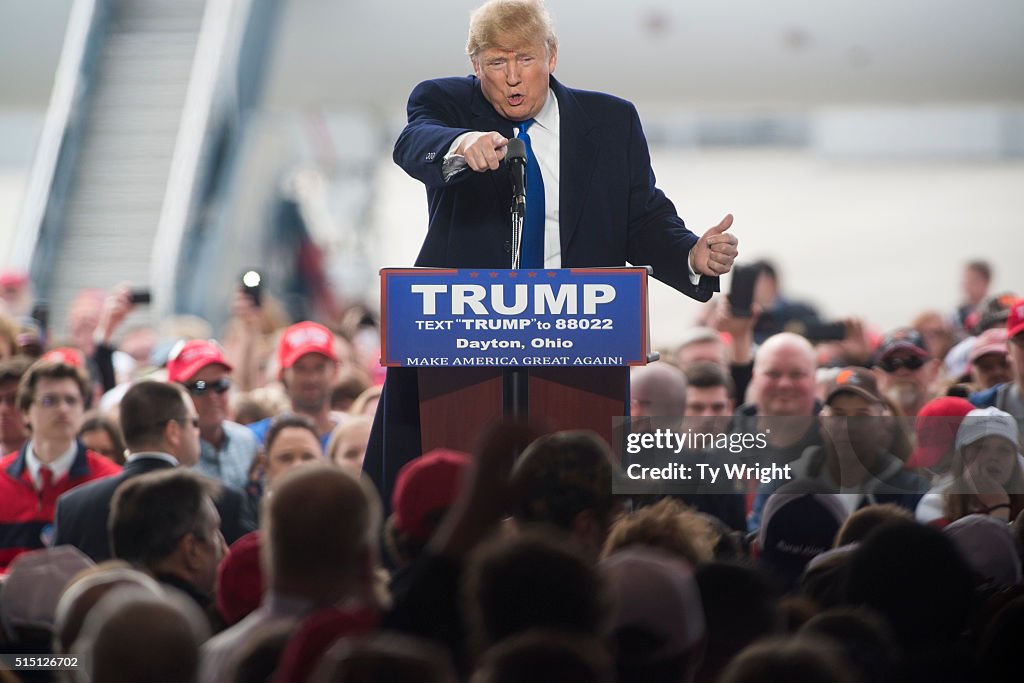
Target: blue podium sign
x,y
473,318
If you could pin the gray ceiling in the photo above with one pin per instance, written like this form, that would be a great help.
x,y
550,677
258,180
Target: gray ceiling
x,y
729,53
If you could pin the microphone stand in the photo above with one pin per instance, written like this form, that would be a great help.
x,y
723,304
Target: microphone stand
x,y
515,381
518,217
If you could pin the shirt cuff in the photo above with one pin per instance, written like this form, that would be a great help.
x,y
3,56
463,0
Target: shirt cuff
x,y
455,145
694,275
453,166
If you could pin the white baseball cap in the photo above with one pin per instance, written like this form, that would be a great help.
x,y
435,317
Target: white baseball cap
x,y
983,422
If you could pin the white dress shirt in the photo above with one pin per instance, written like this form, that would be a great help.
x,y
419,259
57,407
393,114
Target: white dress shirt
x,y
60,466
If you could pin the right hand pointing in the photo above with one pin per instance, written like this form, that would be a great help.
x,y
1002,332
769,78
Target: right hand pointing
x,y
483,151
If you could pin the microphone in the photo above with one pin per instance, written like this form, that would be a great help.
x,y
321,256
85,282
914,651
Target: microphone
x,y
515,154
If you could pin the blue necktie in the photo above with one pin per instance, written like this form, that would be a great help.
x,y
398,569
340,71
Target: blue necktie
x,y
533,225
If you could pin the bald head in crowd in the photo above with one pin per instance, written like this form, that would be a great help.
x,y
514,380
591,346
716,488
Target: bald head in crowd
x,y
320,525
658,389
783,380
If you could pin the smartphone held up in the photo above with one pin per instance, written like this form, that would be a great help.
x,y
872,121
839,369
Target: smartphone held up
x,y
252,286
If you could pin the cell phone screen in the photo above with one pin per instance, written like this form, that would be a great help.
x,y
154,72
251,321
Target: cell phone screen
x,y
741,292
141,296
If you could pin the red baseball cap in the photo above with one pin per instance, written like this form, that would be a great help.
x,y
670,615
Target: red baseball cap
x,y
189,357
1015,323
240,579
302,338
67,356
424,485
11,279
935,427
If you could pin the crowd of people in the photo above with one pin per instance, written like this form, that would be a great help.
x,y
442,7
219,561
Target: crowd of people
x,y
182,504
194,510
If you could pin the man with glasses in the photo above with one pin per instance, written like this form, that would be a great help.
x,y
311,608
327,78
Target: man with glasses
x,y
226,448
161,429
1009,396
51,399
906,370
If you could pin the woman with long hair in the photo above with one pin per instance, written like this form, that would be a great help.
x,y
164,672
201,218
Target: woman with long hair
x,y
987,477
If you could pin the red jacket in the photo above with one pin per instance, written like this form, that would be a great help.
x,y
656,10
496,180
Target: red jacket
x,y
26,515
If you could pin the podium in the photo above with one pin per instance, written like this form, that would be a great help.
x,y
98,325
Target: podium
x,y
551,346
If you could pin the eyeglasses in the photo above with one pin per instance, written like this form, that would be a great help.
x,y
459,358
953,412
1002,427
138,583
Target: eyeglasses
x,y
893,364
200,387
54,400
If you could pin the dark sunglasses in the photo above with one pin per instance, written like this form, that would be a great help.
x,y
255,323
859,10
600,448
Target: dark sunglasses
x,y
893,364
202,386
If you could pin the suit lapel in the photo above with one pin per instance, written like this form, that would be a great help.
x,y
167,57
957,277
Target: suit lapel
x,y
577,142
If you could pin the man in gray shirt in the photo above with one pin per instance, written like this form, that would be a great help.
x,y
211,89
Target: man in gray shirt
x,y
226,448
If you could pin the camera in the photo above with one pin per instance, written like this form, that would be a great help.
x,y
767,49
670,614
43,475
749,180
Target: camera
x,y
252,285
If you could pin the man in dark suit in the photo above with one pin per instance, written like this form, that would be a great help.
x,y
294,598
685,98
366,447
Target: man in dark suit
x,y
161,430
593,179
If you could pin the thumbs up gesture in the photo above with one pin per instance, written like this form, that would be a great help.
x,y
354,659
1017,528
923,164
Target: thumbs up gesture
x,y
715,250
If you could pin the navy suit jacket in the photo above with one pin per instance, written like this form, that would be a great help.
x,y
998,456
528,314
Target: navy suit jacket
x,y
610,210
610,213
81,516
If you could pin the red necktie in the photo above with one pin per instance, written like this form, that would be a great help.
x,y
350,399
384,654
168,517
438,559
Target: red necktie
x,y
45,480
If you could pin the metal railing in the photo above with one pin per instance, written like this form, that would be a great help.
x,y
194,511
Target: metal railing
x,y
210,99
38,224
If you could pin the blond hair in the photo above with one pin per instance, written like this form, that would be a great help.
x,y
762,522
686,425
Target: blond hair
x,y
519,22
667,525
